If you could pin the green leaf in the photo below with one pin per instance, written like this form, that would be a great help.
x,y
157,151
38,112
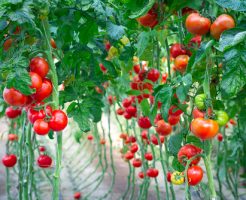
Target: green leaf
x,y
116,32
237,5
177,166
133,92
143,41
183,89
179,4
175,143
241,122
51,135
143,10
194,140
87,31
145,107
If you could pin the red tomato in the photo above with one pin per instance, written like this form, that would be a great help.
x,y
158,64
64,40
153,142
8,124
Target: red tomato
x,y
98,90
177,50
220,137
126,102
173,120
153,75
144,134
123,136
164,78
148,156
152,172
53,43
144,122
129,155
110,99
44,92
120,111
181,62
107,45
154,139
102,141
197,24
222,23
44,161
141,175
13,97
233,122
197,113
42,148
169,174
204,128
12,137
163,128
77,195
136,68
90,137
33,115
137,162
9,160
40,66
58,120
132,110
103,69
188,151
132,139
41,127
127,115
194,174
12,113
7,44
195,42
134,148
173,110
150,19
36,81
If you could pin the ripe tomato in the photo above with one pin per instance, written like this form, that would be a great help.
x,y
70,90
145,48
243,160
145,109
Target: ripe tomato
x,y
134,148
107,45
233,122
58,120
188,151
120,111
123,136
169,174
53,43
40,66
197,24
177,178
221,117
102,141
103,68
163,128
200,101
126,102
41,127
129,155
154,139
127,115
110,99
7,44
98,90
42,148
194,174
144,134
33,115
177,50
90,137
222,23
173,120
141,175
36,81
136,68
142,74
44,161
204,128
148,156
13,97
9,160
152,172
144,122
44,92
132,139
173,110
77,195
137,162
12,113
150,19
220,137
164,78
181,62
132,110
12,137
195,42
197,113
153,75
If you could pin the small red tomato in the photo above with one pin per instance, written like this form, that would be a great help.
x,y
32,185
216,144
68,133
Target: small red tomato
x,y
150,19
129,155
144,122
123,136
12,113
98,90
12,137
103,69
53,43
153,75
42,148
58,120
120,111
194,175
154,139
197,113
134,148
44,92
127,116
233,122
90,137
44,161
136,68
144,134
132,110
163,128
173,110
142,74
181,63
137,162
110,99
36,81
9,160
13,97
41,127
164,78
152,172
177,50
132,139
141,175
148,156
77,195
33,115
220,137
169,174
188,151
195,42
40,66
126,102
102,141
173,120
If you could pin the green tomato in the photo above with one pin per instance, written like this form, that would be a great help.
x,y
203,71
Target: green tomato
x,y
200,101
221,117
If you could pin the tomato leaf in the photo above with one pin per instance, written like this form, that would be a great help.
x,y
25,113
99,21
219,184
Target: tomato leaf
x,y
143,10
177,166
175,143
143,41
183,89
115,31
194,140
145,107
237,5
179,4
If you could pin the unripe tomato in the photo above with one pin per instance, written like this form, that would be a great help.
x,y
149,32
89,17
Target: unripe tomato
x,y
173,120
7,44
177,50
197,24
141,175
40,66
44,92
169,174
9,160
222,23
36,81
120,111
194,174
129,155
181,62
177,178
13,97
173,110
148,156
221,117
137,162
77,195
90,137
134,148
154,139
12,137
163,128
153,75
152,172
204,128
188,151
220,137
12,113
41,127
144,122
58,120
44,161
126,102
197,113
200,101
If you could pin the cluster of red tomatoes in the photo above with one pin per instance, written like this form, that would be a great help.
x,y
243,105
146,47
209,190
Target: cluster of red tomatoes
x,y
42,116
